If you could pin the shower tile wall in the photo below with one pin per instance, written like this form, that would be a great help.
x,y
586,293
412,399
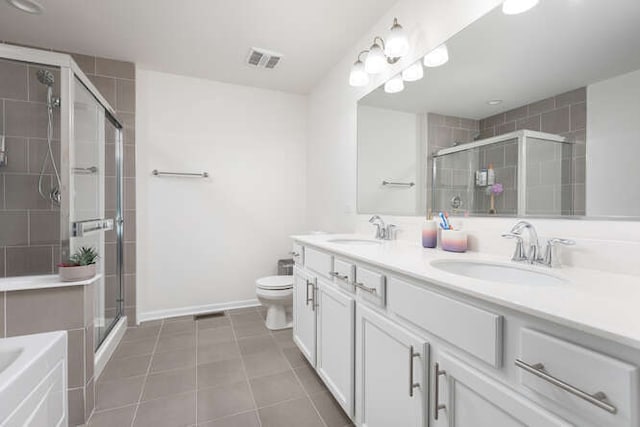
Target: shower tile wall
x,y
29,224
30,240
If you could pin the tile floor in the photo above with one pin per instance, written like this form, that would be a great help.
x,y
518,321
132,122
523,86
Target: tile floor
x,y
226,371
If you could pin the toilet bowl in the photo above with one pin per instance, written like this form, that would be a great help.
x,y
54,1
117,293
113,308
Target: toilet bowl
x,y
276,294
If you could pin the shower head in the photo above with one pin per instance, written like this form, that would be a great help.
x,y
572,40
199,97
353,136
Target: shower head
x,y
45,77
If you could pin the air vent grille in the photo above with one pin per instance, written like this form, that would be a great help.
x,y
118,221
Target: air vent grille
x,y
262,58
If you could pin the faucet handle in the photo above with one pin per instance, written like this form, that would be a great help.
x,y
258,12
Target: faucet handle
x,y
549,258
518,253
390,231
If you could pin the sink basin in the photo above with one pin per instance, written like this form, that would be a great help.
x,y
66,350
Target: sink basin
x,y
354,242
8,356
495,272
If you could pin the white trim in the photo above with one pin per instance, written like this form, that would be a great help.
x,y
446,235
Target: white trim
x,y
196,309
501,138
108,347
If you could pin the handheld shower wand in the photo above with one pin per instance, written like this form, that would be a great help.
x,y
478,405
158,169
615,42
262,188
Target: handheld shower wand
x,y
46,78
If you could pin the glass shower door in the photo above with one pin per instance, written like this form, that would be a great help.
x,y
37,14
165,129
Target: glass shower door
x,y
94,202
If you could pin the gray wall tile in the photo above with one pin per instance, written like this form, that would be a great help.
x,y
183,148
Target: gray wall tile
x,y
22,192
76,406
106,86
25,261
13,80
38,149
125,95
556,121
571,97
2,295
579,116
14,230
44,310
44,227
75,358
29,119
542,106
17,149
113,68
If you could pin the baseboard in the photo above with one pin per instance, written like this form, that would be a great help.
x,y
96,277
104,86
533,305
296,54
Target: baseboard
x,y
108,346
195,309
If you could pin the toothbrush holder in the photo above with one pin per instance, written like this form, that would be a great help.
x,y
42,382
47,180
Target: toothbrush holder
x,y
453,240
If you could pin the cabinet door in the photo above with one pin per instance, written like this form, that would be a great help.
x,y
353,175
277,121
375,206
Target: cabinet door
x,y
391,373
304,314
469,398
336,343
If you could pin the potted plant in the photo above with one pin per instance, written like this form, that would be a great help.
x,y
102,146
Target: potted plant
x,y
81,265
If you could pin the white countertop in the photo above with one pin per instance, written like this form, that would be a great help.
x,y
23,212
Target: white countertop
x,y
601,303
21,283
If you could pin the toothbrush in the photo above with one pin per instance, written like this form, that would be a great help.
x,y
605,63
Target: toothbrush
x,y
446,216
443,221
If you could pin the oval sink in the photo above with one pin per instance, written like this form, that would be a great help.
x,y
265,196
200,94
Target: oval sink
x,y
494,272
8,356
354,242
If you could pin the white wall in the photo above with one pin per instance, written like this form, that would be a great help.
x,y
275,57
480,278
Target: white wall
x,y
203,242
331,153
387,150
613,147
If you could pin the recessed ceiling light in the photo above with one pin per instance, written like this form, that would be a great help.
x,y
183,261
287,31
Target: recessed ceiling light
x,y
514,7
30,6
494,101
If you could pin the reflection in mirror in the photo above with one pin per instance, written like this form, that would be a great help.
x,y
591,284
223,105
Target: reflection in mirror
x,y
541,122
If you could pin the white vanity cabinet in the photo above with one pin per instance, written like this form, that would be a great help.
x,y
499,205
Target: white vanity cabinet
x,y
465,397
336,343
391,373
304,313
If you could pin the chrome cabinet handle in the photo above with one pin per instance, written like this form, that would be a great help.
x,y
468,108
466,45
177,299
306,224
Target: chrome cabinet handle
x,y
308,300
339,276
365,288
598,399
437,405
412,385
295,254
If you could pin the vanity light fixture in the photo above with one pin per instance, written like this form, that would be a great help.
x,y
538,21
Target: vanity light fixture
x,y
413,73
394,85
494,101
379,55
514,7
30,6
437,57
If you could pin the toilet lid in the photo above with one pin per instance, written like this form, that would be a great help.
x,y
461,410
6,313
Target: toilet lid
x,y
275,282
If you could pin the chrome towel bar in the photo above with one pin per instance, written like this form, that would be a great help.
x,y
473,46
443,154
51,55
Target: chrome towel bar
x,y
156,172
398,184
597,399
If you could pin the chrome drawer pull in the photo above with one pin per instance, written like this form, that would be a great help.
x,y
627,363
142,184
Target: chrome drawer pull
x,y
295,254
365,288
307,299
412,385
339,276
598,399
436,404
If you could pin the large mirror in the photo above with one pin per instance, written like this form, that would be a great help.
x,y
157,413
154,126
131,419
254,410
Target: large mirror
x,y
536,114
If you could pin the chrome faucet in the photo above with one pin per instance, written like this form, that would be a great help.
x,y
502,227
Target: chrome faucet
x,y
383,231
534,254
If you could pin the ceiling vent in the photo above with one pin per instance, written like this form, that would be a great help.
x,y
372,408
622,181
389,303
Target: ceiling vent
x,y
262,58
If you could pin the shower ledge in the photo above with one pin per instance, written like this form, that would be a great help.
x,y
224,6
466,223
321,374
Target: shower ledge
x,y
21,283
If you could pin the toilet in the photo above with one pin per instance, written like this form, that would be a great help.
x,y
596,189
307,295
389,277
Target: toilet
x,y
276,294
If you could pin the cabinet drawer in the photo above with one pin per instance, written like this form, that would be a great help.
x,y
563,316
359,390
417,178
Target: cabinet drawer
x,y
371,286
469,328
320,262
297,253
583,370
344,274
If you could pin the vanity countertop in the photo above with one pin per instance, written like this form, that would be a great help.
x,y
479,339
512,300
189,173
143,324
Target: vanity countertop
x,y
597,302
21,283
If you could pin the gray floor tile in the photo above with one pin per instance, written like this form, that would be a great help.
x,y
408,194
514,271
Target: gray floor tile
x,y
218,352
272,389
260,364
141,333
330,411
178,327
246,317
176,342
213,322
310,380
255,345
294,413
284,339
176,359
215,335
172,411
295,357
220,373
113,394
250,329
248,419
124,368
168,383
150,323
114,417
222,401
134,348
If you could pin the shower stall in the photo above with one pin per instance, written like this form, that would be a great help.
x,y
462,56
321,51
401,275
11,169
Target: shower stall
x,y
61,165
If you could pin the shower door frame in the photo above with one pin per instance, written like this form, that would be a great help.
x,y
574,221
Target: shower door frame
x,y
68,71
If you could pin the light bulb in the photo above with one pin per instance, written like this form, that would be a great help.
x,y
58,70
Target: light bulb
x,y
413,73
394,85
437,57
358,76
376,62
397,44
514,7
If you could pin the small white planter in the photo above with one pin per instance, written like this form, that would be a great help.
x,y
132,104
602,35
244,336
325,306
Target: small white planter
x,y
75,274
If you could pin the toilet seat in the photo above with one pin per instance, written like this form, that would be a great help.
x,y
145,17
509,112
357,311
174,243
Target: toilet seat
x,y
275,283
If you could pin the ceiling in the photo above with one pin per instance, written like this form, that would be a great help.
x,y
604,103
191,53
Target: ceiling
x,y
558,46
203,38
